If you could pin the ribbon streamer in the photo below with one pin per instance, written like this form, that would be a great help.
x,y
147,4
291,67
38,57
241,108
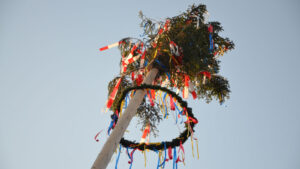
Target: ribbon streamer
x,y
192,90
118,157
172,105
174,159
211,42
150,98
170,153
110,46
145,133
183,157
174,49
96,136
130,156
205,74
112,123
185,92
113,94
165,157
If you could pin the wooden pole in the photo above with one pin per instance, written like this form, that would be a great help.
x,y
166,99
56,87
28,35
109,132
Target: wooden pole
x,y
112,142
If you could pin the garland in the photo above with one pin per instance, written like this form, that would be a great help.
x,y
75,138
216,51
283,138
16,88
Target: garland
x,y
176,142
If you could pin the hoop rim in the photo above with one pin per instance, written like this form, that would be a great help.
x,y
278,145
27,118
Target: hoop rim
x,y
159,145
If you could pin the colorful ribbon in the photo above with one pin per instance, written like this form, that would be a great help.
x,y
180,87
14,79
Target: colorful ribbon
x,y
165,157
113,94
118,157
211,42
192,90
185,92
96,136
175,158
130,156
110,46
112,123
145,133
205,74
183,157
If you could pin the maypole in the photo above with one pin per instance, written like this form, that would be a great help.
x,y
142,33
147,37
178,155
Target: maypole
x,y
181,53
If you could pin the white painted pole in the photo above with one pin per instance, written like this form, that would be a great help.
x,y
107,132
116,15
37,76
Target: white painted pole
x,y
112,142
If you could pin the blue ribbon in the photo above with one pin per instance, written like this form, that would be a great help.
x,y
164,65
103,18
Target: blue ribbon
x,y
125,106
131,158
164,162
180,112
142,35
128,152
126,100
174,158
211,45
112,123
158,161
164,67
164,100
117,161
177,108
168,74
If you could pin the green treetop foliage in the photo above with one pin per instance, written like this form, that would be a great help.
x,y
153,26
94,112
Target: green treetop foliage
x,y
192,55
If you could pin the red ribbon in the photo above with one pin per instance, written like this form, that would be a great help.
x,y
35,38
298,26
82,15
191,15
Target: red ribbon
x,y
210,29
139,79
131,154
96,137
185,91
190,119
110,46
113,94
182,149
132,76
103,48
194,95
152,94
145,133
186,80
150,99
166,25
207,74
170,153
160,31
172,105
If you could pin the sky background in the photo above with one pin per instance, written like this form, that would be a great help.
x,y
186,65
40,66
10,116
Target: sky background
x,y
53,83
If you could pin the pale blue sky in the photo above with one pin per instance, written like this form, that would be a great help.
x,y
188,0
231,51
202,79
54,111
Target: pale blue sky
x,y
53,83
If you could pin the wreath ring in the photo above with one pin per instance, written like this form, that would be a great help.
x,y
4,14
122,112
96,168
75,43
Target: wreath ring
x,y
191,122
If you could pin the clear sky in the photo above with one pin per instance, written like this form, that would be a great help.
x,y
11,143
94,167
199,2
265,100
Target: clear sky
x,y
53,83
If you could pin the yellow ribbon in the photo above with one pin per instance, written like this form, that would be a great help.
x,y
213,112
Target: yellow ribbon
x,y
161,104
155,53
192,147
122,104
221,51
197,149
159,155
145,156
